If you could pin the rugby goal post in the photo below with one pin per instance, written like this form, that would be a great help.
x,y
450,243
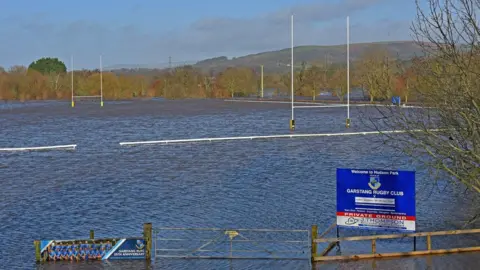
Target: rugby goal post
x,y
90,97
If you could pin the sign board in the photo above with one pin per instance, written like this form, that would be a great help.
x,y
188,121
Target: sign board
x,y
97,249
396,100
129,249
376,199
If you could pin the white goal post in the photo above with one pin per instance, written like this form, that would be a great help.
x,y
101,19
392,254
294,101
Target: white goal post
x,y
91,97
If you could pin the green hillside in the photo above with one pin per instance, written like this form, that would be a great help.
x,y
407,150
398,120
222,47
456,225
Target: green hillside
x,y
404,50
335,55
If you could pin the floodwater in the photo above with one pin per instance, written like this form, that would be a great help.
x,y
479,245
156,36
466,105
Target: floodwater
x,y
273,184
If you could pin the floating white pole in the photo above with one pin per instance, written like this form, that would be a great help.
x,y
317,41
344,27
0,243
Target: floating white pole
x,y
273,137
71,63
292,121
269,101
348,72
330,106
55,147
101,83
357,105
321,105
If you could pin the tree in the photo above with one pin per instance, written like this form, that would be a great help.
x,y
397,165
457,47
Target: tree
x,y
339,83
17,82
405,79
19,70
314,80
5,93
229,81
114,87
157,87
375,73
286,80
300,80
48,65
183,82
207,84
53,68
275,81
37,86
248,82
139,84
444,136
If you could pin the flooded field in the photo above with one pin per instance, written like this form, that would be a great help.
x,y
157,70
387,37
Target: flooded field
x,y
279,183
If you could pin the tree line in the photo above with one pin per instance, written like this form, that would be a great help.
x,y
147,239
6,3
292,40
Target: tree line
x,y
379,74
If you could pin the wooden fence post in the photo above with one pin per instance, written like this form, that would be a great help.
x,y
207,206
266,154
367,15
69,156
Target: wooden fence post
x,y
314,244
147,236
429,242
38,251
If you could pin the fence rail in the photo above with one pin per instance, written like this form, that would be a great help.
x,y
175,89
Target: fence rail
x,y
374,254
219,229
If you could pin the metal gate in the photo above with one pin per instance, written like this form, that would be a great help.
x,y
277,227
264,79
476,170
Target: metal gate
x,y
216,243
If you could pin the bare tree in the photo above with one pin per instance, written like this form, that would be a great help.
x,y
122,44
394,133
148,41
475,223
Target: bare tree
x,y
314,80
443,135
338,83
375,74
405,79
229,81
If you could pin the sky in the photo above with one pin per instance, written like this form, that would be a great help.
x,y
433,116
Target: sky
x,y
148,32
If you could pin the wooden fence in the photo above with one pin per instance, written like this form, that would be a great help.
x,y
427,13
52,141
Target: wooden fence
x,y
332,242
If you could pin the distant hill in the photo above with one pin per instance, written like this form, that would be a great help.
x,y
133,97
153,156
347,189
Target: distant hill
x,y
336,54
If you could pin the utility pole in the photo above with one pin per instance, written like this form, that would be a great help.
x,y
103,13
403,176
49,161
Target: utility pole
x,y
327,57
71,63
101,82
261,79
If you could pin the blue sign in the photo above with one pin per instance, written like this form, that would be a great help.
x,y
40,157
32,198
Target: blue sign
x,y
93,249
132,248
376,199
396,100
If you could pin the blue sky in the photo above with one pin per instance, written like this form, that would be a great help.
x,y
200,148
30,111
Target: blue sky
x,y
147,32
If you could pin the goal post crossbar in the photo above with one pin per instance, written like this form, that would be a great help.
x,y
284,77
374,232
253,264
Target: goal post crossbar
x,y
98,96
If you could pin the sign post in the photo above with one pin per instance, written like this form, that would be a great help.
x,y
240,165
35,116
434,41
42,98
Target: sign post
x,y
376,199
